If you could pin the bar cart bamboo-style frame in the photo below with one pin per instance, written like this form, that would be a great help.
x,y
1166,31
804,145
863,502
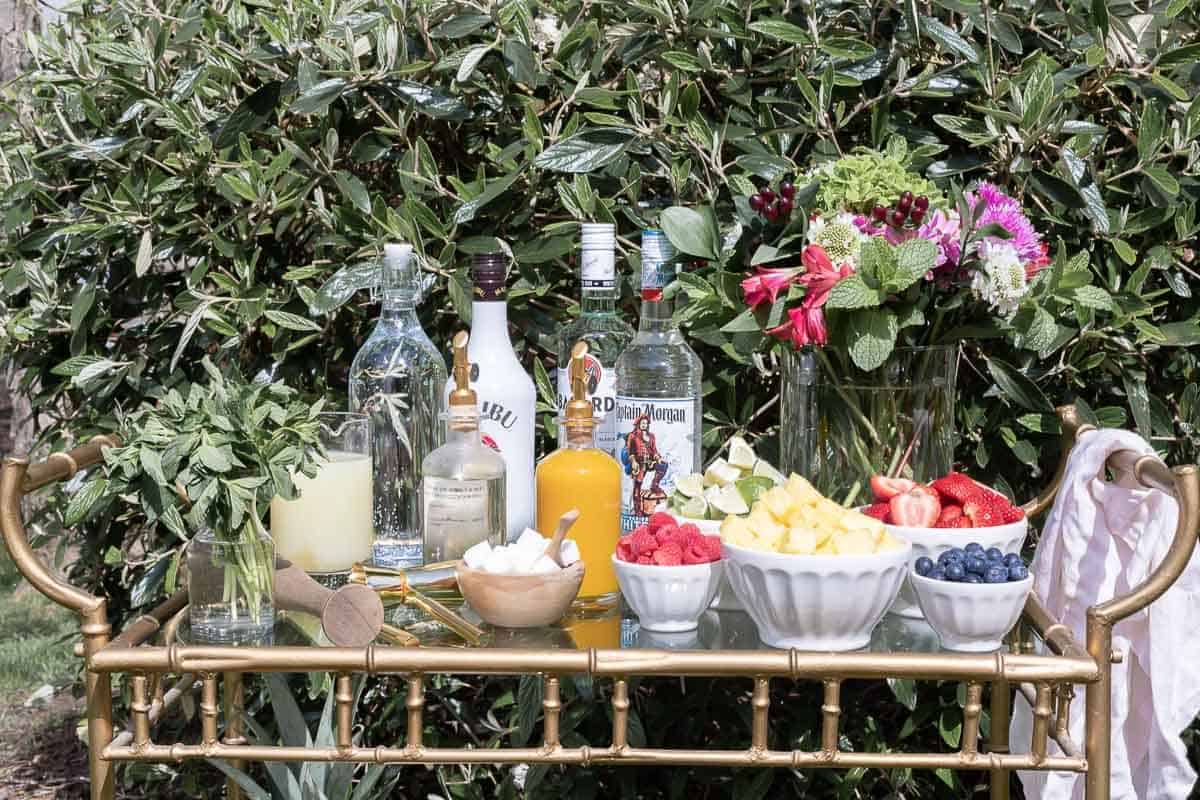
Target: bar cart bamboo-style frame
x,y
147,651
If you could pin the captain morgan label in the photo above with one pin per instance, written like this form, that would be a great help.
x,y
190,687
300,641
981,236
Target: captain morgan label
x,y
655,447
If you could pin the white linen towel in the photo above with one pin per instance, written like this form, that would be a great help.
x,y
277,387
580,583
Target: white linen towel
x,y
1100,540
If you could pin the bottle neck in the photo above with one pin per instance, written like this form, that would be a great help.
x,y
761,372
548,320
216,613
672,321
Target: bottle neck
x,y
489,318
598,300
656,315
399,307
580,437
463,427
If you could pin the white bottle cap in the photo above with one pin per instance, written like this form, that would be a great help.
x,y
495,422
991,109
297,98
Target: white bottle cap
x,y
597,236
397,253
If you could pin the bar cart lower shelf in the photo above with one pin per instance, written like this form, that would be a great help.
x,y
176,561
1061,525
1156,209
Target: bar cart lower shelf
x,y
1043,663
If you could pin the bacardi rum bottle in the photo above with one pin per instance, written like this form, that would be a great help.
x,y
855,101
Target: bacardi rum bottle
x,y
507,398
606,334
658,395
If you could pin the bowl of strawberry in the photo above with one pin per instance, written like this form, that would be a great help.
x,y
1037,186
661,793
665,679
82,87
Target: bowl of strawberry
x,y
972,595
668,572
941,515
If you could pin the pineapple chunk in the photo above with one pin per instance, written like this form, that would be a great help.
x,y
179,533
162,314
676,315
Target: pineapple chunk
x,y
855,543
778,502
802,490
800,541
737,531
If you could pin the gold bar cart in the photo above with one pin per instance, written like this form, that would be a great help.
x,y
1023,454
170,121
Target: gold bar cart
x,y
148,651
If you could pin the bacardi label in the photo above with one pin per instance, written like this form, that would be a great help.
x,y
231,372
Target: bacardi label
x,y
602,389
656,445
597,269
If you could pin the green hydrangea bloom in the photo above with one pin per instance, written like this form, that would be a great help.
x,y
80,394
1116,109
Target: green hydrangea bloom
x,y
859,181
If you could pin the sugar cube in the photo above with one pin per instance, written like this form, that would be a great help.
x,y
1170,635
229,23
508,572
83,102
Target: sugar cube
x,y
476,555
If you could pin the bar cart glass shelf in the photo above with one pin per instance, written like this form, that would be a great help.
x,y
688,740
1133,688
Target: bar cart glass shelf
x,y
1044,665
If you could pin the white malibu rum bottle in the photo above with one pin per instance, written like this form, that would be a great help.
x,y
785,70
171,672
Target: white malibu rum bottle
x,y
507,397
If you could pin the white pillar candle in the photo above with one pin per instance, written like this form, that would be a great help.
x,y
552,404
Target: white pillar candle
x,y
330,526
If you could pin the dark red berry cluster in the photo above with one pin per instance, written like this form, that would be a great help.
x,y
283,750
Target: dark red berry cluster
x,y
774,207
907,209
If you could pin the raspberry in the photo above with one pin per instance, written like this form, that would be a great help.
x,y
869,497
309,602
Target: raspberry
x,y
659,519
643,542
669,555
703,550
690,529
644,560
956,487
625,549
669,533
879,511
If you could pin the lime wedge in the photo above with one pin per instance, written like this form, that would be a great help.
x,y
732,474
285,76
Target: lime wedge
x,y
741,454
710,494
751,488
730,501
695,507
765,470
690,485
720,473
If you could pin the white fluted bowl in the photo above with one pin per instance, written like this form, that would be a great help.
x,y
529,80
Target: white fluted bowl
x,y
668,599
971,617
829,603
725,600
932,542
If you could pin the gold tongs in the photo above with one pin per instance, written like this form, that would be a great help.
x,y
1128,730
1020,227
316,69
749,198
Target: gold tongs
x,y
403,592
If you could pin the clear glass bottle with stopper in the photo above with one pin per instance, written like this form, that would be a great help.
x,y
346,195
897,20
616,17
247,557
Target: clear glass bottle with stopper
x,y
396,379
582,476
462,482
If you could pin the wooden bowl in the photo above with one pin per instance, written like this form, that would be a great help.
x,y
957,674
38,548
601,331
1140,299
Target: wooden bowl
x,y
520,601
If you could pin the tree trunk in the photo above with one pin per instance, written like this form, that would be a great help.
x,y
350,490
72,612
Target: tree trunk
x,y
16,17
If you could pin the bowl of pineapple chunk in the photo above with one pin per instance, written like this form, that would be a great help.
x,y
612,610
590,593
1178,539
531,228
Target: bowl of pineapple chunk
x,y
812,574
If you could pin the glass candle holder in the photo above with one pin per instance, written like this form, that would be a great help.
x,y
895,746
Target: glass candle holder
x,y
330,526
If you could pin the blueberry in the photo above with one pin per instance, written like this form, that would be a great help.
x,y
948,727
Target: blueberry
x,y
924,565
1012,559
995,574
955,571
994,554
974,547
1018,572
976,564
945,558
972,578
938,573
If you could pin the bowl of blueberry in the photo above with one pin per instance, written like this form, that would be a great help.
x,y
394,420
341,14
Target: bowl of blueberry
x,y
972,596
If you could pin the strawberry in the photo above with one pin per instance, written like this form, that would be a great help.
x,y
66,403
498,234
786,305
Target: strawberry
x,y
660,519
885,488
1013,514
963,522
917,508
880,511
986,509
949,514
955,487
669,555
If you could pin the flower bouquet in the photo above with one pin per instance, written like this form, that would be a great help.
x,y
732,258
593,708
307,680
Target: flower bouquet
x,y
873,275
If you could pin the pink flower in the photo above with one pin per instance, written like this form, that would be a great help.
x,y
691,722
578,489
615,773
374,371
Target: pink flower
x,y
820,275
805,325
1038,264
766,286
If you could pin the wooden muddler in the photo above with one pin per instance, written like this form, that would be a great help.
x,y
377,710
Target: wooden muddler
x,y
352,616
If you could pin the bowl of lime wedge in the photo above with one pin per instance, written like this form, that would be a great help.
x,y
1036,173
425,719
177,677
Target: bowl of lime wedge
x,y
728,487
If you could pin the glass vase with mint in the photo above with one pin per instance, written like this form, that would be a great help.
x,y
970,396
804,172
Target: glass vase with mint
x,y
605,333
204,462
396,379
463,481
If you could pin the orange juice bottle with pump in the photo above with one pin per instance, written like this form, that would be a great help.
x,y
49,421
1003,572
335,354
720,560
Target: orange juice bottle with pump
x,y
580,475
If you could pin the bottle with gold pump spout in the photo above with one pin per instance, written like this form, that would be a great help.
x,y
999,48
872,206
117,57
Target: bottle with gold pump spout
x,y
581,475
462,482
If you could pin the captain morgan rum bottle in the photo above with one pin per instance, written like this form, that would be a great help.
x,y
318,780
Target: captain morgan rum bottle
x,y
658,395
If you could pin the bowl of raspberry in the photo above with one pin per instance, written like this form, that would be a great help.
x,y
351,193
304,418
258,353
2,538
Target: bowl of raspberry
x,y
668,573
941,515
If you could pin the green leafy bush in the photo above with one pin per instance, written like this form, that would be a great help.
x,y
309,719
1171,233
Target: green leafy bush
x,y
191,179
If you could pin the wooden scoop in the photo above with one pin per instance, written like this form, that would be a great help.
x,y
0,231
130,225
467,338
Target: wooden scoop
x,y
352,616
554,549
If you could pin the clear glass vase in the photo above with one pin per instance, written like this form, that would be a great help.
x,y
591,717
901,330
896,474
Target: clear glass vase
x,y
840,425
231,582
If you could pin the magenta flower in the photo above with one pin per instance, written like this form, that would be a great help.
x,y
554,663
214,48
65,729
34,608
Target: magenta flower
x,y
1006,212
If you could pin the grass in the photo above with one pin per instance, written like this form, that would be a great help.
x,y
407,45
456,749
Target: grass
x,y
36,637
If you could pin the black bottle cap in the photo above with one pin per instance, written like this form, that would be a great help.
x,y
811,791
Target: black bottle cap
x,y
489,273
